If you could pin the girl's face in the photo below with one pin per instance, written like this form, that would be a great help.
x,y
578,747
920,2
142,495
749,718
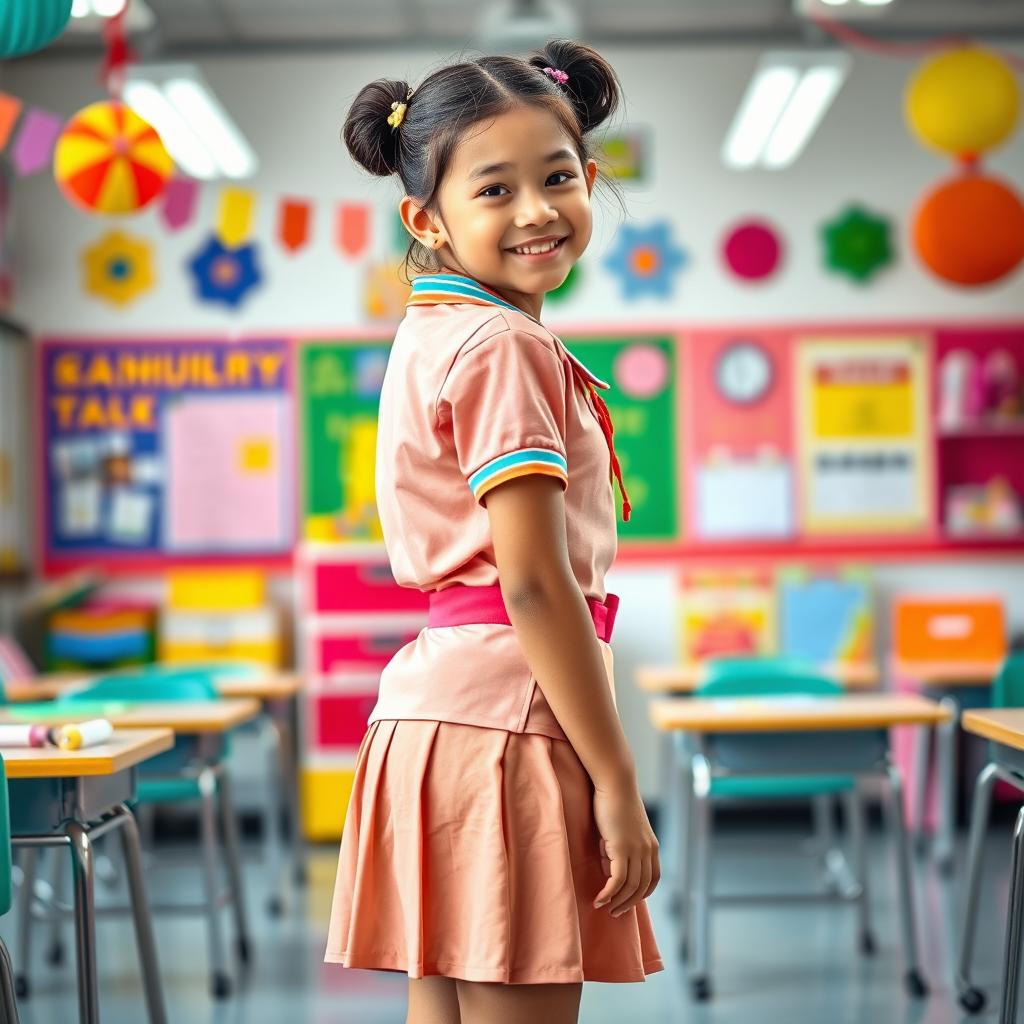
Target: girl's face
x,y
514,206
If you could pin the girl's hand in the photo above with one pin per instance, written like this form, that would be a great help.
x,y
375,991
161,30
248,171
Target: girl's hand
x,y
629,849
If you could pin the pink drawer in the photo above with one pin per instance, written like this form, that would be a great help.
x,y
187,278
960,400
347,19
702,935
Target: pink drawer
x,y
334,652
339,719
361,587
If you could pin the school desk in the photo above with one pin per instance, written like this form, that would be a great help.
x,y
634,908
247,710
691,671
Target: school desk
x,y
72,798
951,683
786,736
205,725
277,726
1004,728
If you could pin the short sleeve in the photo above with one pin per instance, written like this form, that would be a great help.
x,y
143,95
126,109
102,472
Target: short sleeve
x,y
506,401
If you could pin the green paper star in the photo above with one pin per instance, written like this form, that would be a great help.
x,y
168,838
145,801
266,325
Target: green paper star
x,y
857,243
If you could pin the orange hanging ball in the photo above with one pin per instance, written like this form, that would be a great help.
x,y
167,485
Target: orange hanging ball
x,y
109,160
970,230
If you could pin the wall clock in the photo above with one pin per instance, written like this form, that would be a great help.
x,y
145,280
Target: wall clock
x,y
744,372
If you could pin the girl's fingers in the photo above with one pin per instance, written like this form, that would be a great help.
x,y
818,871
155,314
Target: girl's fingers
x,y
614,883
626,892
655,876
637,897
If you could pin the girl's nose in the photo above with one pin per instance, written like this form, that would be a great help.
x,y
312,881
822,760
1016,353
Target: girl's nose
x,y
534,211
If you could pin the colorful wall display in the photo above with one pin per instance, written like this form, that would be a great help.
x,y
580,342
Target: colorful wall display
x,y
726,613
644,403
339,384
625,155
118,268
857,243
826,618
166,450
646,260
864,435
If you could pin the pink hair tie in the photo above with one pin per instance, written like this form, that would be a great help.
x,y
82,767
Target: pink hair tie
x,y
559,76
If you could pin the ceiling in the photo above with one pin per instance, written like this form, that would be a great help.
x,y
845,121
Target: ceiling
x,y
185,27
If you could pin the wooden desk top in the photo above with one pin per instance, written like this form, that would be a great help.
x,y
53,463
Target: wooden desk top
x,y
951,673
1004,725
688,678
125,748
261,686
794,713
182,716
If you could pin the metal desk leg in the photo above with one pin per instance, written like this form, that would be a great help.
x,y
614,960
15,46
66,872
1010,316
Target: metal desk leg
x,y
286,714
1014,925
233,860
82,858
132,850
28,860
855,817
668,816
945,770
922,765
220,981
914,981
700,982
274,810
973,999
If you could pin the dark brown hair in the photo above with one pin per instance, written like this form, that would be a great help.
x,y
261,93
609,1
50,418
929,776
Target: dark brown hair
x,y
455,97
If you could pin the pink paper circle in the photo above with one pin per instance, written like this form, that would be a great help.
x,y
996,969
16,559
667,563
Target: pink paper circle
x,y
752,250
641,371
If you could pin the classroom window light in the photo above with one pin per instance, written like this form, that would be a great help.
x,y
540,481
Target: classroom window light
x,y
783,105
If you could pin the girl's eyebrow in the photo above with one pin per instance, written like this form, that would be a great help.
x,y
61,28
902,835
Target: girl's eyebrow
x,y
482,172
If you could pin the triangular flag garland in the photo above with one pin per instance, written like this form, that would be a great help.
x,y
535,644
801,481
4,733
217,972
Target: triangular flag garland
x,y
179,203
353,228
293,217
37,135
10,108
234,215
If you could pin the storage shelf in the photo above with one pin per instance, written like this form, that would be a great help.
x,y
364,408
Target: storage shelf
x,y
983,431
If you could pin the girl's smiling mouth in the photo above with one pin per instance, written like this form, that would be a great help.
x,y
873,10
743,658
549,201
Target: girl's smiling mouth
x,y
539,248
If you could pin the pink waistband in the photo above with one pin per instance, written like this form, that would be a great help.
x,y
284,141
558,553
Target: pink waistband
x,y
463,606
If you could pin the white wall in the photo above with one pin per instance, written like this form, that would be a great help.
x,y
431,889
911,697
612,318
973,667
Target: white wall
x,y
291,108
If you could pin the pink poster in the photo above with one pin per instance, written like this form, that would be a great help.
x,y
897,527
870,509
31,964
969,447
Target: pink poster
x,y
228,473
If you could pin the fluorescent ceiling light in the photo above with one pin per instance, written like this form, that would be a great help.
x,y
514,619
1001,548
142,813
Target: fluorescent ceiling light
x,y
108,8
81,8
783,105
196,129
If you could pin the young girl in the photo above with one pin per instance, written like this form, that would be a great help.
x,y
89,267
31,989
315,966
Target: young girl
x,y
496,847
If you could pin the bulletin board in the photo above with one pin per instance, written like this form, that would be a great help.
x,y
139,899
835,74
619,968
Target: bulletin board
x,y
156,452
644,403
339,385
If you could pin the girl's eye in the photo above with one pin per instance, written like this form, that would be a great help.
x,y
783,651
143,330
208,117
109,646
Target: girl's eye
x,y
564,175
492,191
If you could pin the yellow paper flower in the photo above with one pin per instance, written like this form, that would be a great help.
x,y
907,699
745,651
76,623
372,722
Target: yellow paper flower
x,y
398,114
118,268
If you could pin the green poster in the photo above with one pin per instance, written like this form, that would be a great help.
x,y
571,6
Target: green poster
x,y
339,389
643,403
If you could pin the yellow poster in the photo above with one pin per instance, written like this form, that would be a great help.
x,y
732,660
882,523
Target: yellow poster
x,y
863,434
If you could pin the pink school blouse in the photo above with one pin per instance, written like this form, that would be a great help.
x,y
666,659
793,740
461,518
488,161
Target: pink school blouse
x,y
476,393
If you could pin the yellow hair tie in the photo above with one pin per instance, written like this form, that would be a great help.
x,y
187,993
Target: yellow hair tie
x,y
398,108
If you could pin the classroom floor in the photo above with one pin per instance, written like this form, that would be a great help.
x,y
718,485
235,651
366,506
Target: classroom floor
x,y
771,964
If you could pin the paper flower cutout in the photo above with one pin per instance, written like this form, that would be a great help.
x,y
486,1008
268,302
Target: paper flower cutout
x,y
752,250
857,243
118,268
225,275
646,260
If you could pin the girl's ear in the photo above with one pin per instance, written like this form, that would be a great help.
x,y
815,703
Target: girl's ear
x,y
420,224
590,172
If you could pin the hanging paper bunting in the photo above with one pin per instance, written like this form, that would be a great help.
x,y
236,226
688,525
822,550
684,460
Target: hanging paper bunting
x,y
179,203
857,243
109,160
353,228
10,108
34,144
752,250
234,215
225,275
646,260
293,223
118,268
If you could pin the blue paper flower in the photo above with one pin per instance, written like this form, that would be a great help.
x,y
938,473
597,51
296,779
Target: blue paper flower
x,y
225,275
646,260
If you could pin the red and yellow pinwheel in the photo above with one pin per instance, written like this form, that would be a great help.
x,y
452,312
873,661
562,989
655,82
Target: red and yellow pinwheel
x,y
109,160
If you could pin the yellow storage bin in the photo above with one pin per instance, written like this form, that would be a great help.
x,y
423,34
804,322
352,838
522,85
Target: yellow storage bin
x,y
222,636
209,590
325,794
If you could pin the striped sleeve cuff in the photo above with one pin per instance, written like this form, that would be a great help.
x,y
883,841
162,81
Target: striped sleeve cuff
x,y
525,462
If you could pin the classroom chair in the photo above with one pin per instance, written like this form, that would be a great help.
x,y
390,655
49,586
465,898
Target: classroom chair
x,y
1007,692
8,1006
179,775
750,677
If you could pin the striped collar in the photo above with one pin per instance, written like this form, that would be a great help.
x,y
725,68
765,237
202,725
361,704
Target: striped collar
x,y
438,289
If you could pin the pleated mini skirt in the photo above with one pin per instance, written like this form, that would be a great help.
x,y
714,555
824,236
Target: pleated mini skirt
x,y
473,853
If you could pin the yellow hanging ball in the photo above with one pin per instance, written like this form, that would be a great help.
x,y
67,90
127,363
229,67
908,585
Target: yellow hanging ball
x,y
963,101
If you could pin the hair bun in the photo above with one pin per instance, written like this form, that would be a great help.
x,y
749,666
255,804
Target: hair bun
x,y
370,140
592,88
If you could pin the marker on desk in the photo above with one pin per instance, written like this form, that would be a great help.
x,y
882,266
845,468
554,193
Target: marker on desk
x,y
24,735
83,734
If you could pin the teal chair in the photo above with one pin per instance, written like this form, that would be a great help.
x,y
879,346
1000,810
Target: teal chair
x,y
1007,692
182,775
760,677
8,1006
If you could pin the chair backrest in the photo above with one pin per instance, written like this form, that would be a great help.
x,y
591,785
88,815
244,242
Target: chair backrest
x,y
5,843
746,677
213,669
1008,688
197,686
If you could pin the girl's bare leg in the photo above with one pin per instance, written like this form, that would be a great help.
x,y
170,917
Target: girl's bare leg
x,y
488,1003
433,1000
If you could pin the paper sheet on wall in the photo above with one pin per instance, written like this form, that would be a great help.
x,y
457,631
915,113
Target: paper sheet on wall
x,y
748,498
